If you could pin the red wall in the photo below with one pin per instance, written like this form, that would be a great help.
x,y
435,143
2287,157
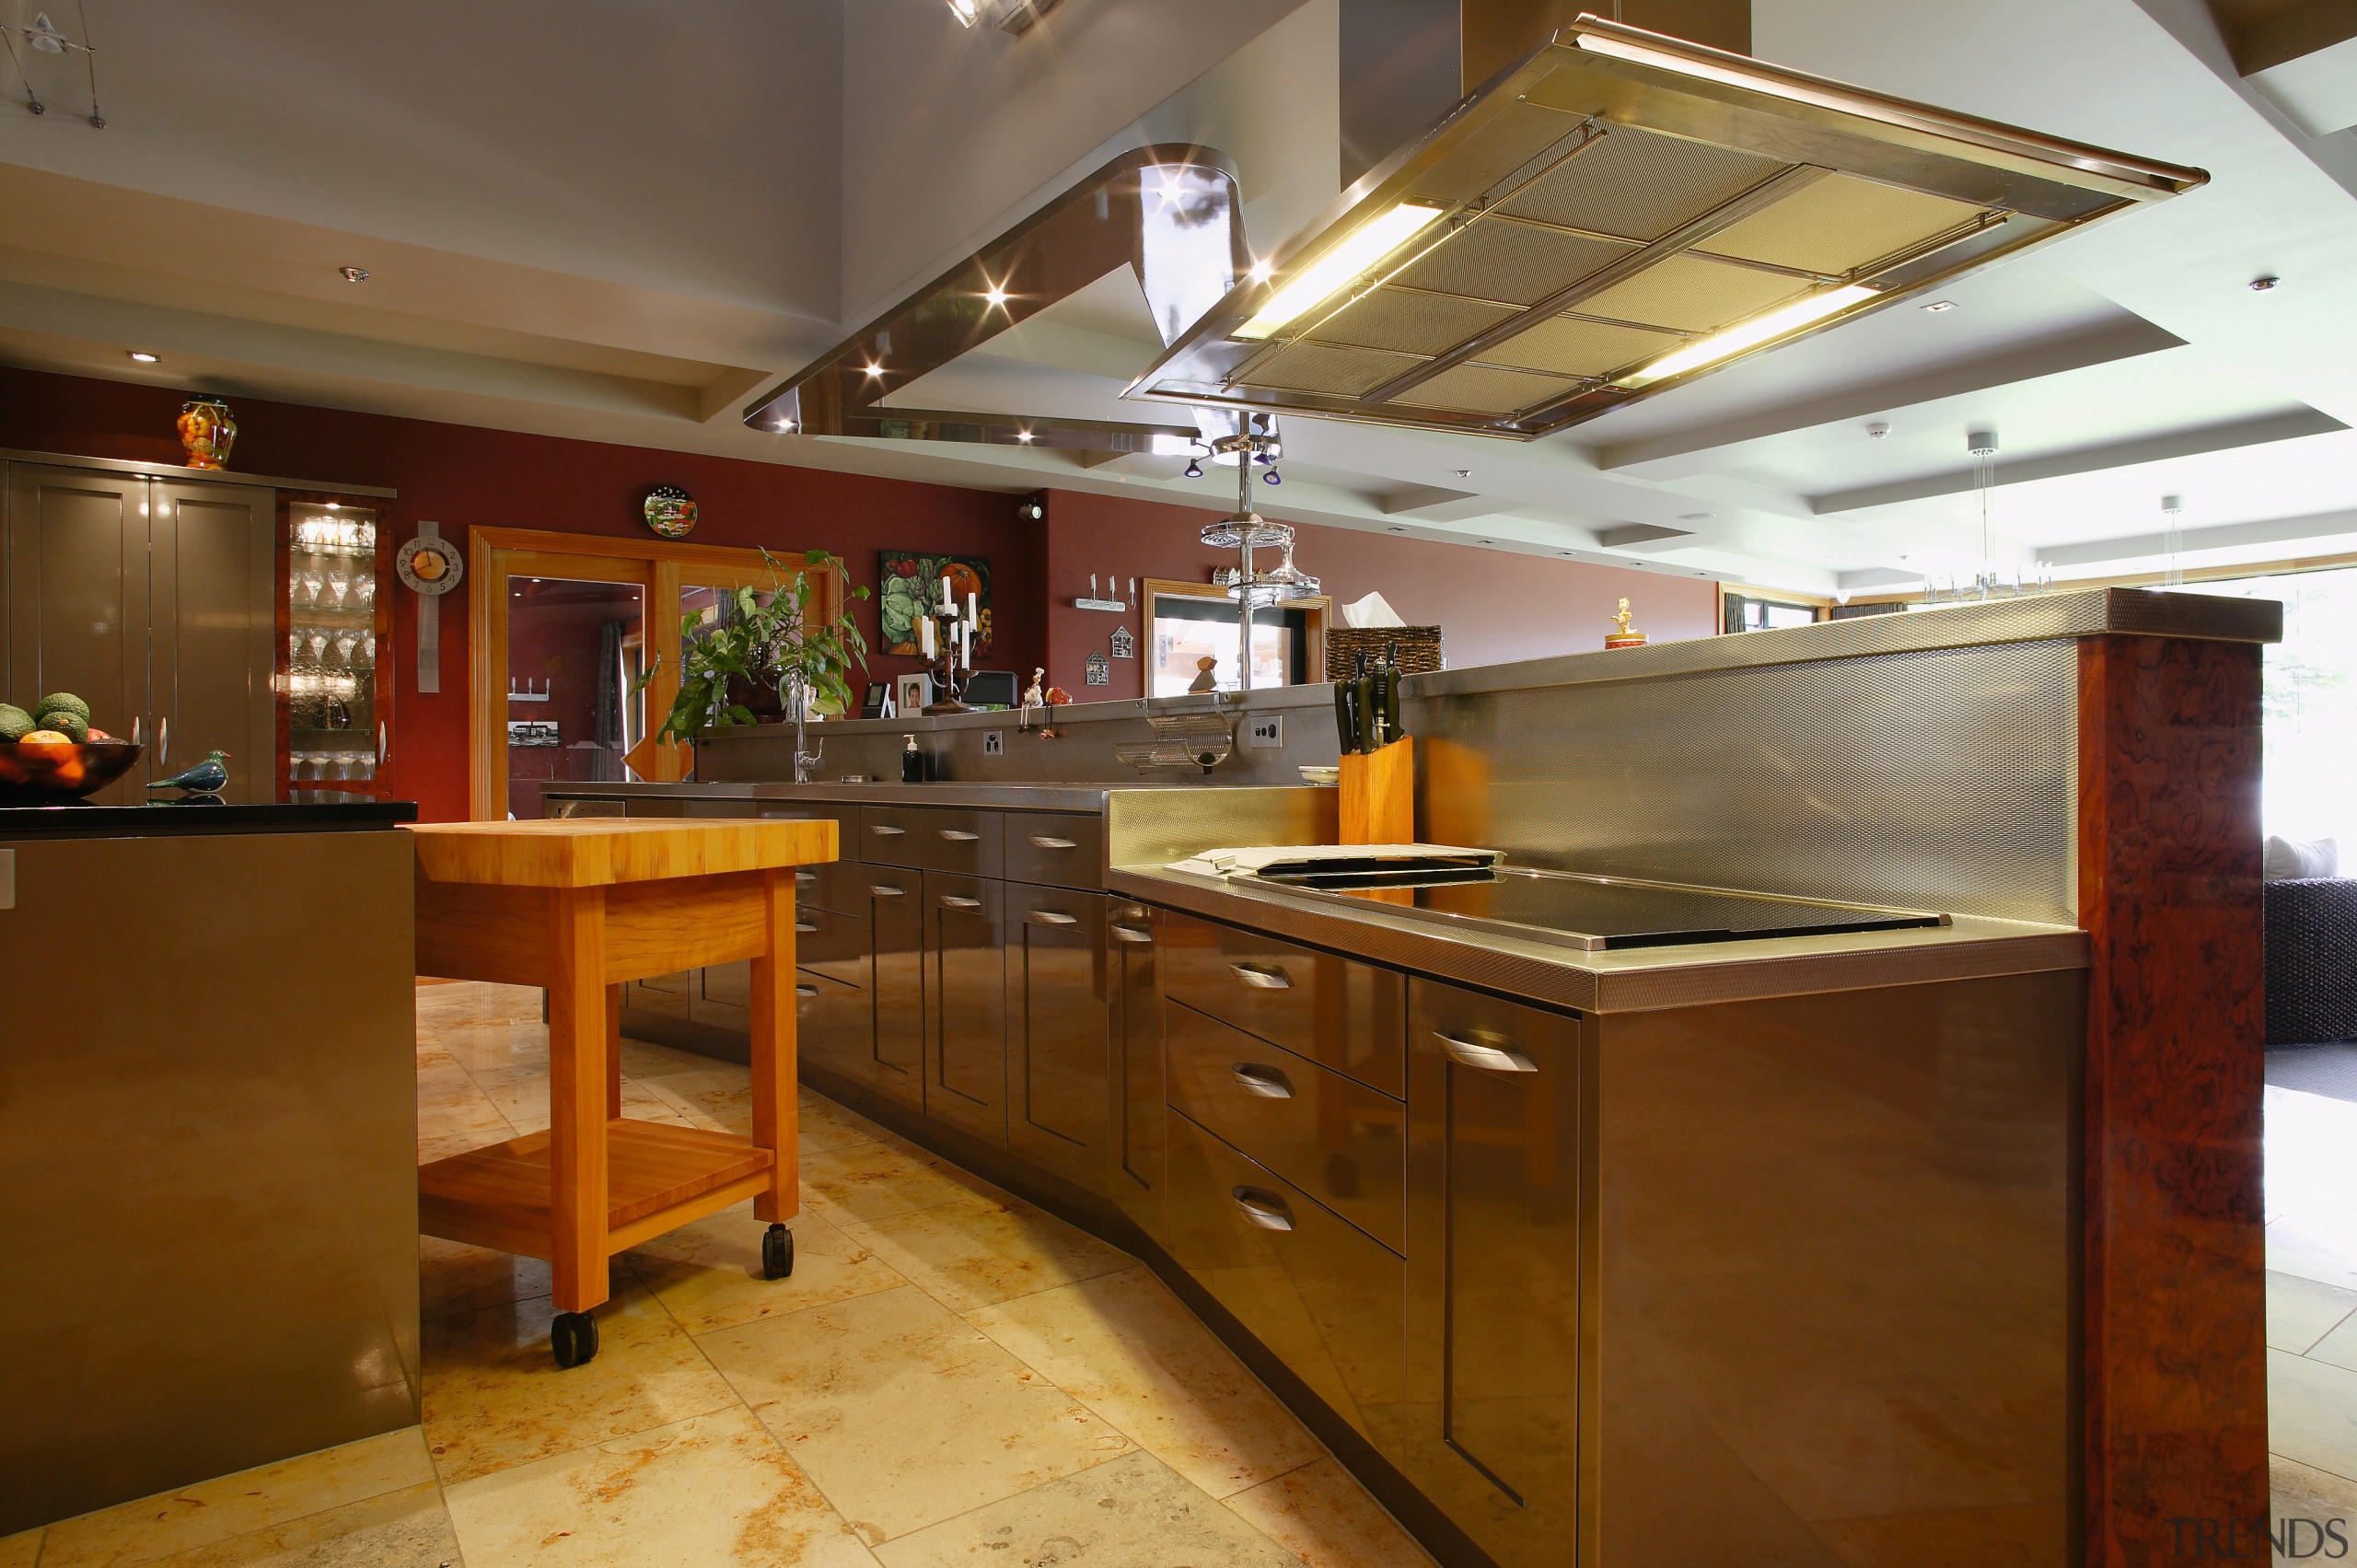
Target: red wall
x,y
460,477
1493,606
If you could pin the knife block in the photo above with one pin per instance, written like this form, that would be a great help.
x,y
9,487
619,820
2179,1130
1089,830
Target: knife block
x,y
1379,804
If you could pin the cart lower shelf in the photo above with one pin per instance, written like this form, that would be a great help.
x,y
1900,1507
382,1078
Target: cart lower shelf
x,y
659,1177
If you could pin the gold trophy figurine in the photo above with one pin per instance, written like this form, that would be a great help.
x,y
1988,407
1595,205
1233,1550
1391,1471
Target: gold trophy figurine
x,y
1626,636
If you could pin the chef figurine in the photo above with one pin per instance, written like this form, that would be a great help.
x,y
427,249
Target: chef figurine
x,y
1627,636
1033,696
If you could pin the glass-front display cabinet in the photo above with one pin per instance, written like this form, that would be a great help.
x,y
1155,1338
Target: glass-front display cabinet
x,y
335,718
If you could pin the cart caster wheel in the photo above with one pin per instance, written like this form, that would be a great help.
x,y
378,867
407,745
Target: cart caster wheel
x,y
574,1337
777,1253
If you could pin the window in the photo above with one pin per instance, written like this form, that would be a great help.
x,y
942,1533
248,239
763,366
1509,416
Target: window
x,y
1751,612
1192,622
2311,702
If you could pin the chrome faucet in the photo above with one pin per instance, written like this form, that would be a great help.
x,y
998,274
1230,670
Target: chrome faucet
x,y
805,762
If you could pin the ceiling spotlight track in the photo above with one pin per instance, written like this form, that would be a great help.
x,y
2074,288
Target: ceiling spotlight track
x,y
44,38
1171,214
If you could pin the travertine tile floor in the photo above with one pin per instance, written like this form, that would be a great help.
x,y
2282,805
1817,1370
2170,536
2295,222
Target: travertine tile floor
x,y
950,1376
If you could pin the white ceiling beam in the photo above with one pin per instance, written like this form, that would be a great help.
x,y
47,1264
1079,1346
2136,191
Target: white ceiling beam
x,y
2225,536
2087,459
1722,444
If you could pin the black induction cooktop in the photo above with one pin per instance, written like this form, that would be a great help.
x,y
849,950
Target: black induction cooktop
x,y
1598,912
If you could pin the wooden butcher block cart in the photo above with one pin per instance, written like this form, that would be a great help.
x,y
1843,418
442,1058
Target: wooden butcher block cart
x,y
579,907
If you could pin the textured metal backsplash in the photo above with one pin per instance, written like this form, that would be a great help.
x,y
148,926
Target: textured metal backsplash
x,y
1943,779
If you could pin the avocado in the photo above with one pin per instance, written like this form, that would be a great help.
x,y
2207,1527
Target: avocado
x,y
15,722
63,701
68,723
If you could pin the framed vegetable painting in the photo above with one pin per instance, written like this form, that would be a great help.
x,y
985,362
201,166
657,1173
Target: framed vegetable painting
x,y
911,585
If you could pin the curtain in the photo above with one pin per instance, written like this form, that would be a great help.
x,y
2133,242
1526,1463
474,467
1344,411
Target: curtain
x,y
607,764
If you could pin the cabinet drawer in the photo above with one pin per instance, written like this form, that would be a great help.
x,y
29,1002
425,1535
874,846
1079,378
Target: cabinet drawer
x,y
1325,1300
932,838
1333,1136
1348,1016
1065,850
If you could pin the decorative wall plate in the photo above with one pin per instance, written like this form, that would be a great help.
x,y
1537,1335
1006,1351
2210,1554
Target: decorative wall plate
x,y
670,511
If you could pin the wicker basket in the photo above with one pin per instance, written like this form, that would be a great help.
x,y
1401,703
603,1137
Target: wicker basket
x,y
1419,647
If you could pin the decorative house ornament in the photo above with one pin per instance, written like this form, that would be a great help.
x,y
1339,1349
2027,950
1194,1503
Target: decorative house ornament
x,y
670,511
1627,636
208,430
1100,673
1124,645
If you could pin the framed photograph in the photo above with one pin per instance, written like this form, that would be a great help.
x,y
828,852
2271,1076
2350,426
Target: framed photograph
x,y
877,704
911,583
911,692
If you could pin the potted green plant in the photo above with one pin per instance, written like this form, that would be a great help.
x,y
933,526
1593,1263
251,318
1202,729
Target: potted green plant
x,y
766,641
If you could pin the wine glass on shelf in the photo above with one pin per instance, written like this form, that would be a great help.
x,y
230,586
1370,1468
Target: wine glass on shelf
x,y
344,643
340,586
368,650
318,641
365,586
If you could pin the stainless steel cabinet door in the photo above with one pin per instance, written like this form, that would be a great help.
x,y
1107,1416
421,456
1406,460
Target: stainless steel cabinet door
x,y
1058,1036
965,1003
1136,1161
1494,1233
896,981
74,614
213,637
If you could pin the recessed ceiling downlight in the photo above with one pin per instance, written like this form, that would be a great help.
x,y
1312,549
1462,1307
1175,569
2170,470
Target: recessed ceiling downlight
x,y
144,358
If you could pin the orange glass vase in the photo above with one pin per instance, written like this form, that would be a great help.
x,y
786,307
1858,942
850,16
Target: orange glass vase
x,y
208,430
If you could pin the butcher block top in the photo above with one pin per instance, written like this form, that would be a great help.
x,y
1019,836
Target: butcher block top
x,y
599,851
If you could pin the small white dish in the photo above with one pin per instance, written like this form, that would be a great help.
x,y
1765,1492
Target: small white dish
x,y
1321,775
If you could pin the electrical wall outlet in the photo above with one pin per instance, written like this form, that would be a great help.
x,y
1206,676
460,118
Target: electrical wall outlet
x,y
993,743
1267,731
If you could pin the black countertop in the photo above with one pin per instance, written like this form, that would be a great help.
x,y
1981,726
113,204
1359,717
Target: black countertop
x,y
78,820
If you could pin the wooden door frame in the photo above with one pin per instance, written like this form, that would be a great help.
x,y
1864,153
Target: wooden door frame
x,y
662,566
1319,608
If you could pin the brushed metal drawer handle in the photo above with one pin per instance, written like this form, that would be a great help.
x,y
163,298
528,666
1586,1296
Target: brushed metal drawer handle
x,y
1269,1082
1133,934
1053,917
810,991
881,891
1489,1058
1264,1208
959,836
885,829
1262,978
806,927
1045,842
951,900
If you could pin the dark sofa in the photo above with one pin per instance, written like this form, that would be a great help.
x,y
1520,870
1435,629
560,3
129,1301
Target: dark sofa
x,y
2311,960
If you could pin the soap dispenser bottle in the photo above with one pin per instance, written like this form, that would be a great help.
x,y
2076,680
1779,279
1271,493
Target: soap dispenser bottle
x,y
912,761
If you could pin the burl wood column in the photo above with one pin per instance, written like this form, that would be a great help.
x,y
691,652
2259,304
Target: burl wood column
x,y
2169,892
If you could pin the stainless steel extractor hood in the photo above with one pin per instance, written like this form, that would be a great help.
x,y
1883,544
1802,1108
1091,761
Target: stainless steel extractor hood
x,y
1615,215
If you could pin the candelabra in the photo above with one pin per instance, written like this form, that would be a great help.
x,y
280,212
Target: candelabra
x,y
945,637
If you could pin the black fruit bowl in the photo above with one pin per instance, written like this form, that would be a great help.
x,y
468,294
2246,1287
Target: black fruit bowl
x,y
46,771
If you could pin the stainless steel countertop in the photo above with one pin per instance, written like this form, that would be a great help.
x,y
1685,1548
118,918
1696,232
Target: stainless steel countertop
x,y
1631,980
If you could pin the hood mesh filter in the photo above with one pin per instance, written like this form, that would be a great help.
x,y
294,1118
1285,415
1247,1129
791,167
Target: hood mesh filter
x,y
1575,347
1839,223
1519,263
1640,185
1687,294
1477,388
1409,322
1315,367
